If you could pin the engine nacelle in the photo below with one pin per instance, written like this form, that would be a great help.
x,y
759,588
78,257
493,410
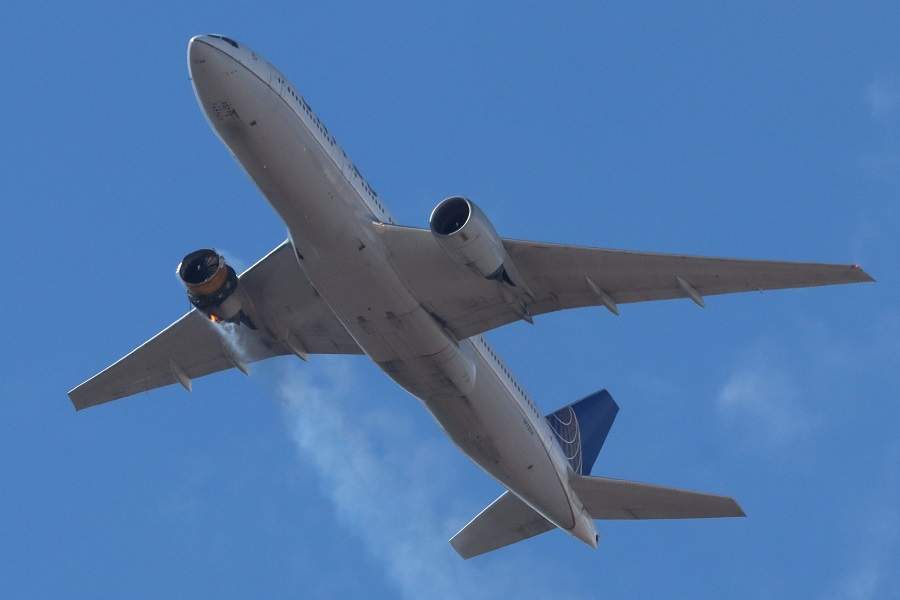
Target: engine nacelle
x,y
466,234
212,286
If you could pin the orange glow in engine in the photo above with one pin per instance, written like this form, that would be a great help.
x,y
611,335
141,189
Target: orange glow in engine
x,y
214,318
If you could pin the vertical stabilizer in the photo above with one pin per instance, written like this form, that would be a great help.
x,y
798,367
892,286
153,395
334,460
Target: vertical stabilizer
x,y
582,427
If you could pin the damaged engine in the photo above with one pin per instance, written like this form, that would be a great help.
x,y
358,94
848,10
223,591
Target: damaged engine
x,y
212,287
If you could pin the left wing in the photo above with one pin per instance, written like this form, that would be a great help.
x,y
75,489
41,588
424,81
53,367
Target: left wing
x,y
562,277
292,319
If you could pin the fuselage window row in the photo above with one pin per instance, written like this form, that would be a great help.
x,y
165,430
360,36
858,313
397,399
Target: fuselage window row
x,y
370,191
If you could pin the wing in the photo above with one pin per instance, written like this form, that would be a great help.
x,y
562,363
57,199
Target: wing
x,y
290,318
618,499
561,277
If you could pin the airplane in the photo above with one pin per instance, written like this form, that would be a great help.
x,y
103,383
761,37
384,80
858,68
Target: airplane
x,y
349,280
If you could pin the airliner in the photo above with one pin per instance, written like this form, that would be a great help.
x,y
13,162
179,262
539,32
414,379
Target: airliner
x,y
349,280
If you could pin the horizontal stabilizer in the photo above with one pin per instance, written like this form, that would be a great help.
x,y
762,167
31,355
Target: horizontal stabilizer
x,y
505,521
605,498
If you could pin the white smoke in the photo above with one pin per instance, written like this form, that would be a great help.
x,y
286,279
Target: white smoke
x,y
232,335
389,487
237,263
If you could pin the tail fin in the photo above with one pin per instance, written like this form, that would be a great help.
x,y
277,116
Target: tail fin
x,y
582,427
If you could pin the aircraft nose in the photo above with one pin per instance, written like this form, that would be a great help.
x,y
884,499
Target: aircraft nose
x,y
214,39
199,53
222,81
203,50
196,40
212,59
200,50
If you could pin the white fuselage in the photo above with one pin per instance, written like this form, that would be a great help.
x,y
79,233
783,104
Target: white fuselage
x,y
333,218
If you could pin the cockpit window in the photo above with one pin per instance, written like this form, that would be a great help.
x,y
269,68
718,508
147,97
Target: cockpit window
x,y
225,39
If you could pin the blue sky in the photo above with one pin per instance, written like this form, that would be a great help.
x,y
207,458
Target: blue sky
x,y
760,131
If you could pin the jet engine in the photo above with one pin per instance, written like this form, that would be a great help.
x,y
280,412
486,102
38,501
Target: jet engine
x,y
466,234
212,287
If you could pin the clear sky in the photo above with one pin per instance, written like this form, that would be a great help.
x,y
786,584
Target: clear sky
x,y
758,130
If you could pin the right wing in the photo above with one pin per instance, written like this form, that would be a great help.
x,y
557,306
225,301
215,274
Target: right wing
x,y
619,499
291,319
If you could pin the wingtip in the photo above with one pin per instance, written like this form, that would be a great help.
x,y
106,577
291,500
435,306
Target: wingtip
x,y
861,273
75,403
455,544
80,398
72,399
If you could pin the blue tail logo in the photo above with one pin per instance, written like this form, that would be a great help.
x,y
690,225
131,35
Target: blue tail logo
x,y
582,427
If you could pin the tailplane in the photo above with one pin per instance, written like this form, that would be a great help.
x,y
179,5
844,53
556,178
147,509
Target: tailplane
x,y
505,521
605,498
581,429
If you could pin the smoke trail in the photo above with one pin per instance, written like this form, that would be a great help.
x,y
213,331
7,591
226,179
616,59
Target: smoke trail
x,y
237,263
388,486
232,336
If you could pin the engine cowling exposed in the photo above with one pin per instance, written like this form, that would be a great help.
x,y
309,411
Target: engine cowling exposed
x,y
466,234
212,286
